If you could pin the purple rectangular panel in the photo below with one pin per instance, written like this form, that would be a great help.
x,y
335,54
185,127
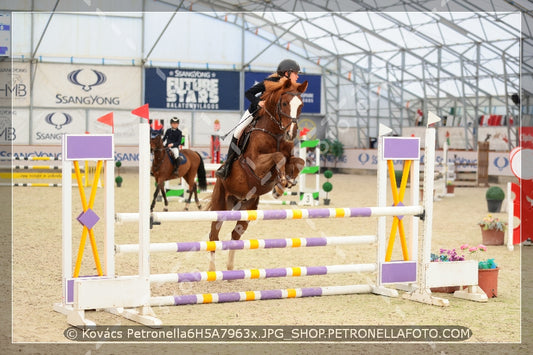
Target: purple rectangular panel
x,y
88,147
401,148
70,291
398,271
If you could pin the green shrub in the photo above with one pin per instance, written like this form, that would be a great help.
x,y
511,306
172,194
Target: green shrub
x,y
328,186
495,193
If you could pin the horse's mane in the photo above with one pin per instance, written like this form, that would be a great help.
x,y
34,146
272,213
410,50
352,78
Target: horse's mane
x,y
274,90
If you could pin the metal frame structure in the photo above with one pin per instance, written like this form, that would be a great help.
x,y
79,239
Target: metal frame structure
x,y
454,57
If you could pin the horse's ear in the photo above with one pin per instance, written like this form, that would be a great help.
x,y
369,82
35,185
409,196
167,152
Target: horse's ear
x,y
302,87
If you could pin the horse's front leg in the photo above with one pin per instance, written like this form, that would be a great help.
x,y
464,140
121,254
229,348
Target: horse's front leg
x,y
156,192
164,194
293,168
264,163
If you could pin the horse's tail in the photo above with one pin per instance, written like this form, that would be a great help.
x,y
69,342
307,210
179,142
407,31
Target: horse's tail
x,y
202,180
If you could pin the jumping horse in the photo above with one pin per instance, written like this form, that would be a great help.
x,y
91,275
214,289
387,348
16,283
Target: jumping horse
x,y
163,170
267,163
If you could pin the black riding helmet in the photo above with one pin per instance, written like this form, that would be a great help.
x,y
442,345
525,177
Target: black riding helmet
x,y
174,119
288,65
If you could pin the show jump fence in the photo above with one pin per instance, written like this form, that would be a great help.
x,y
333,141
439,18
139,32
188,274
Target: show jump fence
x,y
130,296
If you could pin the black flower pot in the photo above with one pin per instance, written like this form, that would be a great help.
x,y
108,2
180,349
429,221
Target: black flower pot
x,y
494,205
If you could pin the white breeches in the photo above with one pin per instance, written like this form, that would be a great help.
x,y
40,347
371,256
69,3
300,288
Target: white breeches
x,y
175,152
246,118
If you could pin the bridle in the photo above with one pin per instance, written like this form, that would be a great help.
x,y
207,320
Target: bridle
x,y
162,159
281,113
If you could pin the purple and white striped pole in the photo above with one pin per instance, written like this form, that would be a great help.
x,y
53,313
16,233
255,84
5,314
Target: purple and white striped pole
x,y
258,295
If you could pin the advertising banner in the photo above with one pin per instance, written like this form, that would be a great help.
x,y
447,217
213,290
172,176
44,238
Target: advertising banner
x,y
87,86
311,97
185,89
14,126
14,84
49,125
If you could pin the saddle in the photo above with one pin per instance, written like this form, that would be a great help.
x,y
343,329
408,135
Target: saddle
x,y
181,160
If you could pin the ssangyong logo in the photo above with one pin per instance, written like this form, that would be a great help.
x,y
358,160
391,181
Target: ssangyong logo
x,y
58,119
87,79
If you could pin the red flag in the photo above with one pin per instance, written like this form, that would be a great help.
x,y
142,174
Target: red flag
x,y
304,131
142,111
108,120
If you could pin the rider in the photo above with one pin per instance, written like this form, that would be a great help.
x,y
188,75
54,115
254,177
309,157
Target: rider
x,y
172,140
287,68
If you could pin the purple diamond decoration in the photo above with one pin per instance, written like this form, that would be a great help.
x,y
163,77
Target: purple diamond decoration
x,y
88,218
399,204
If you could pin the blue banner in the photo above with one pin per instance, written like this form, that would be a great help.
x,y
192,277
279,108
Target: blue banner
x,y
311,97
186,89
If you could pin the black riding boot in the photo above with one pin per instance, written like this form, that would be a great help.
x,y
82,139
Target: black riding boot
x,y
176,165
224,171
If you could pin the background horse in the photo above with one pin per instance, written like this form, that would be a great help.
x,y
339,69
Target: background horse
x,y
267,163
163,170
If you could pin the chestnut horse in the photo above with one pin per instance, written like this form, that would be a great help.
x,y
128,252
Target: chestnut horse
x,y
267,163
163,170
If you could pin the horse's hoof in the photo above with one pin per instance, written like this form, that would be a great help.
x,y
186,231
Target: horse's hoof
x,y
199,207
165,209
186,209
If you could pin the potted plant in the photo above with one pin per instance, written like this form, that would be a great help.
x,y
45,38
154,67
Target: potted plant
x,y
327,186
494,197
487,269
450,188
118,180
492,230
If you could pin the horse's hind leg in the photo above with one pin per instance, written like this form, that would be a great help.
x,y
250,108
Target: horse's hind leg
x,y
218,203
213,237
239,230
236,234
196,199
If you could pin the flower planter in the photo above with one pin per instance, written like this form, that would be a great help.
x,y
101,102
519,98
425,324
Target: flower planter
x,y
488,281
492,236
494,205
450,189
